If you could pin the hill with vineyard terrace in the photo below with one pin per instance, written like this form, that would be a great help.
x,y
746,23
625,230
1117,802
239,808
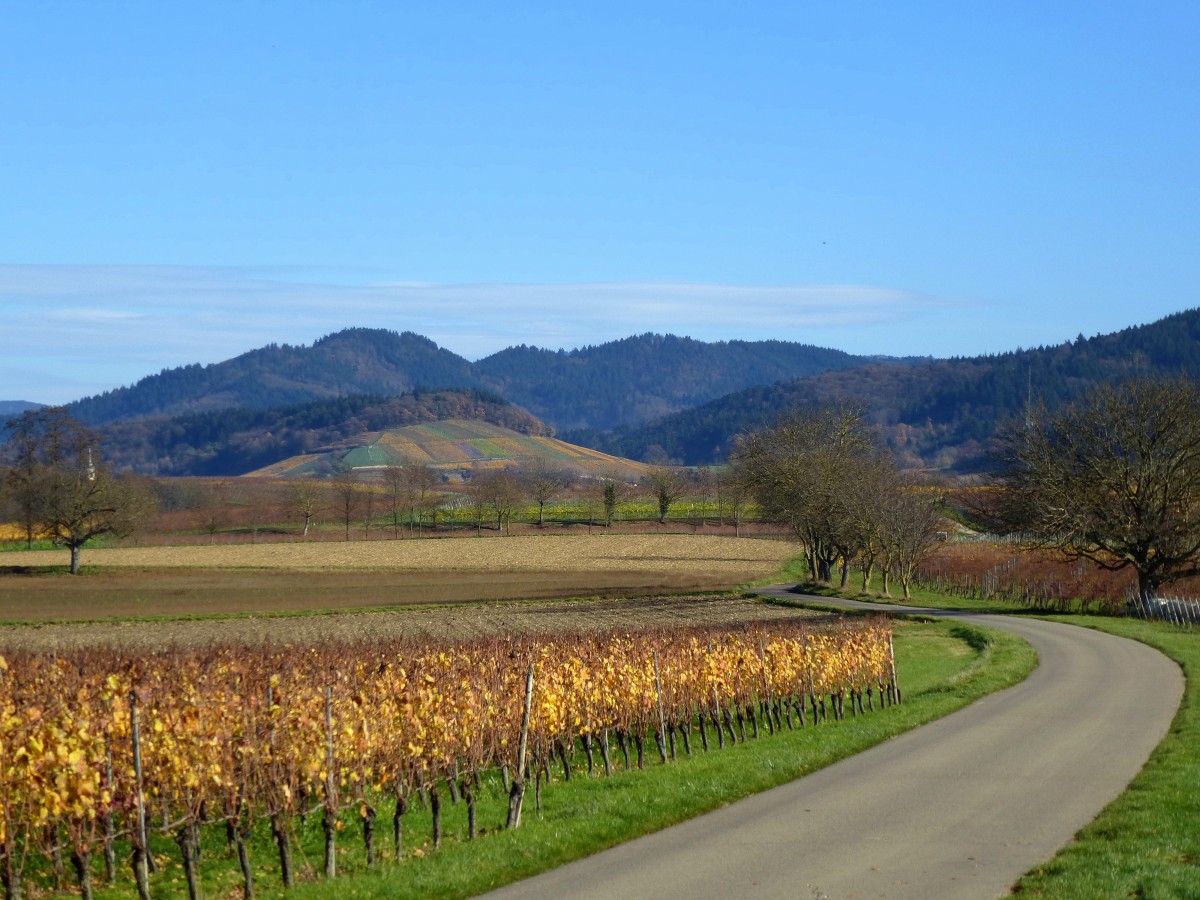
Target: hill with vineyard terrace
x,y
452,446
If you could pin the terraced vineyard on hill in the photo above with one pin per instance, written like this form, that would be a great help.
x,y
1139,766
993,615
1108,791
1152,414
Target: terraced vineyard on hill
x,y
454,444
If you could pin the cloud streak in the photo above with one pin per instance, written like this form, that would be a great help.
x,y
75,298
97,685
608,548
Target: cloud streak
x,y
76,330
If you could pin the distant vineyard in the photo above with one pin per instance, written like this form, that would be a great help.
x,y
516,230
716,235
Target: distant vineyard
x,y
98,749
1008,572
453,445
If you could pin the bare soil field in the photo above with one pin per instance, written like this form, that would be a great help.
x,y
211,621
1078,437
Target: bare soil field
x,y
262,583
445,623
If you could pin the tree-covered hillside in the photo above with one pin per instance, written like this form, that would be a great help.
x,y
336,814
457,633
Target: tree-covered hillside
x,y
235,441
354,361
940,413
645,377
627,381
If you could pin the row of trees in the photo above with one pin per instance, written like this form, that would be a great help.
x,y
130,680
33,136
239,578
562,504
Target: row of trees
x,y
821,473
1112,478
412,495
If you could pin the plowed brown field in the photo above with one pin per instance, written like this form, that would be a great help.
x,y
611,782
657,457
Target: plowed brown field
x,y
444,623
264,581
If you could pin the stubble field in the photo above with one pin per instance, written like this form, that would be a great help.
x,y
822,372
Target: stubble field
x,y
263,584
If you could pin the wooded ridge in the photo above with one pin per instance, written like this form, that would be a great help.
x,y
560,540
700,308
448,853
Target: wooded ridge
x,y
644,397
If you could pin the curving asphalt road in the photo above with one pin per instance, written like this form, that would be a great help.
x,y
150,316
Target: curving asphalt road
x,y
961,807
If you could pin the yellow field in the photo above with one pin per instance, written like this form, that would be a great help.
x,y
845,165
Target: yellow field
x,y
10,531
565,553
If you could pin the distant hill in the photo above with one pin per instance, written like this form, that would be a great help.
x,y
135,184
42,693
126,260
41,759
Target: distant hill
x,y
236,441
627,381
351,362
940,413
452,445
10,409
645,377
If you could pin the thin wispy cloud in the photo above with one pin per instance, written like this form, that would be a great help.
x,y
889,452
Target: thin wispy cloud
x,y
74,330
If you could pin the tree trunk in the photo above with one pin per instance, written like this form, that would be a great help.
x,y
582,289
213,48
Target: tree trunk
x,y
398,824
329,828
189,849
243,854
369,815
284,846
468,794
82,861
10,875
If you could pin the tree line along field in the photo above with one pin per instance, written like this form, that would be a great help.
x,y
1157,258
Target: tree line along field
x,y
228,510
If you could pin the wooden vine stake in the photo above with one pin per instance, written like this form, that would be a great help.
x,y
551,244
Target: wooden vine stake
x,y
892,659
662,722
517,793
141,872
329,819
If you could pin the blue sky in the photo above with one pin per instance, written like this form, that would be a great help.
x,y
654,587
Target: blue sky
x,y
184,182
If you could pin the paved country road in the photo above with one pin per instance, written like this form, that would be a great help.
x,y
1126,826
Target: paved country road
x,y
961,807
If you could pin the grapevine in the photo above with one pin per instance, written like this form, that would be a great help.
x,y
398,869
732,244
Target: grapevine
x,y
96,746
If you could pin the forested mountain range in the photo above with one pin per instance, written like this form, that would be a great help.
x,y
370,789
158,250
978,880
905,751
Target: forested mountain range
x,y
351,362
627,381
645,377
278,401
938,414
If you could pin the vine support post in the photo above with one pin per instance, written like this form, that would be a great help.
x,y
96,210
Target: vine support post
x,y
662,722
892,661
516,795
329,820
141,871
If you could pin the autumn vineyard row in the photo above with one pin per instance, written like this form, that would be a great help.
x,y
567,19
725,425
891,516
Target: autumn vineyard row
x,y
99,748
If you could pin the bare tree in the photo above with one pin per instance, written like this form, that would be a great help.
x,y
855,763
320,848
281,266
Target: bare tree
x,y
425,498
730,495
543,481
305,500
397,492
667,484
799,472
212,513
366,507
500,493
64,489
1113,478
346,493
40,440
910,522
